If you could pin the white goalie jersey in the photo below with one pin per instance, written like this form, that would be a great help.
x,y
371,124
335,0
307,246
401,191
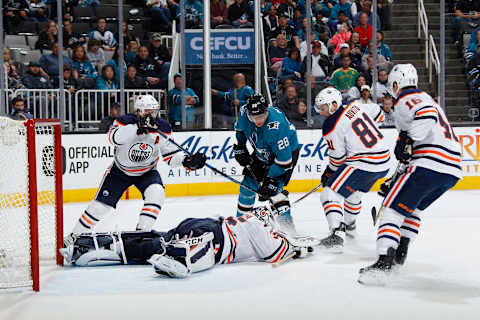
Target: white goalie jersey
x,y
435,146
137,154
354,138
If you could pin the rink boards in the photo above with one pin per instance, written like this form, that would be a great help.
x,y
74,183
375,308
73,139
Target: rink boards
x,y
87,156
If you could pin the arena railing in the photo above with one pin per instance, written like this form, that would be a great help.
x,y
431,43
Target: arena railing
x,y
91,106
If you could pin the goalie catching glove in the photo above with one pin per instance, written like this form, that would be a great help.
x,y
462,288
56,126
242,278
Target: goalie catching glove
x,y
195,161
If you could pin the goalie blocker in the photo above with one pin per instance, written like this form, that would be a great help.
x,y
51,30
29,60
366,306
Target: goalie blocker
x,y
194,245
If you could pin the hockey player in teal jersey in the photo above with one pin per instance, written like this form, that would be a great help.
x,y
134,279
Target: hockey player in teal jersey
x,y
269,167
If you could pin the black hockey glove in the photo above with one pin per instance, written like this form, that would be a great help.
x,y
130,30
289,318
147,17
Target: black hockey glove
x,y
147,124
385,187
241,155
268,189
403,148
326,175
195,161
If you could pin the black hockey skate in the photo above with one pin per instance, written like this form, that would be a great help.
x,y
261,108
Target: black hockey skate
x,y
402,250
350,229
335,240
377,273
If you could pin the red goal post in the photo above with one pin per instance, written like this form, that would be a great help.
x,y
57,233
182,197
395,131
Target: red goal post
x,y
31,200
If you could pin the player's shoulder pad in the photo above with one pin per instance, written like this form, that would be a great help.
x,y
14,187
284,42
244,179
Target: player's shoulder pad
x,y
129,118
405,94
277,123
331,122
164,126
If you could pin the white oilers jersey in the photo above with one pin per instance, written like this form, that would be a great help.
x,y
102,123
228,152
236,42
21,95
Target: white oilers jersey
x,y
246,238
137,154
354,138
435,145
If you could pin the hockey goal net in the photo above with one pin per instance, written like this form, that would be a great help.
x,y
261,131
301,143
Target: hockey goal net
x,y
31,216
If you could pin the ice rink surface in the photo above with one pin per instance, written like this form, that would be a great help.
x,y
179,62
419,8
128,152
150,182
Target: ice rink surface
x,y
441,279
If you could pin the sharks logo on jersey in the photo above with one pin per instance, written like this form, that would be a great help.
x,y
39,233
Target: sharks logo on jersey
x,y
273,125
140,152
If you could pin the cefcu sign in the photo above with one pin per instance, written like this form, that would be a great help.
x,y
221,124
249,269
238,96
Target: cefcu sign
x,y
228,46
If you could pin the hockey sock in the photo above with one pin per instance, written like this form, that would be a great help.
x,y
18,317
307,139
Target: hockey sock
x,y
411,225
91,216
388,235
332,206
154,196
351,210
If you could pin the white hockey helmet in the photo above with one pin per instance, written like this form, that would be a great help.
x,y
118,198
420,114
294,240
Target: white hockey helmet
x,y
328,96
404,75
146,102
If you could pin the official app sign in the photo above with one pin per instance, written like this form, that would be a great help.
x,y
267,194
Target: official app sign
x,y
229,46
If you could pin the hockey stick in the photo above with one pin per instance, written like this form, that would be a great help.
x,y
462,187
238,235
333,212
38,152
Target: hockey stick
x,y
401,167
307,194
206,164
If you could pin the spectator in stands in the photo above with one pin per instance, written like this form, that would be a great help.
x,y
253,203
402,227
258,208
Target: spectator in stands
x,y
302,32
468,18
345,77
107,80
288,31
71,39
387,107
106,37
342,36
384,13
321,6
174,99
342,19
127,34
366,8
341,6
70,83
87,74
193,13
382,84
160,11
319,63
382,48
8,59
19,112
107,122
278,53
95,53
149,68
354,92
364,29
115,63
134,81
303,47
35,77
88,3
322,28
270,23
316,88
289,101
47,37
131,53
38,11
219,13
292,66
345,51
288,7
238,14
365,95
298,116
355,46
280,91
368,73
15,11
159,53
12,78
49,62
475,61
297,20
381,60
471,50
238,95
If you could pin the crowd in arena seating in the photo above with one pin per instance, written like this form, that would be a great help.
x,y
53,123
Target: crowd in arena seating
x,y
342,49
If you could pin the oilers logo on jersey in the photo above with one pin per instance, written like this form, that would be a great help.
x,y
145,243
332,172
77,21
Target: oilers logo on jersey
x,y
140,152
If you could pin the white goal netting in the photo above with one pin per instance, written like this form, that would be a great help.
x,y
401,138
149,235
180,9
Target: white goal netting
x,y
15,210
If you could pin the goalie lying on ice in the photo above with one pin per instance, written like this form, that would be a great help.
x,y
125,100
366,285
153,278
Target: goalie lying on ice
x,y
194,245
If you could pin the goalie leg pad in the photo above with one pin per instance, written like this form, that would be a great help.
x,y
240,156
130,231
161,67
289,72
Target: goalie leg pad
x,y
139,246
95,211
332,206
94,250
154,198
